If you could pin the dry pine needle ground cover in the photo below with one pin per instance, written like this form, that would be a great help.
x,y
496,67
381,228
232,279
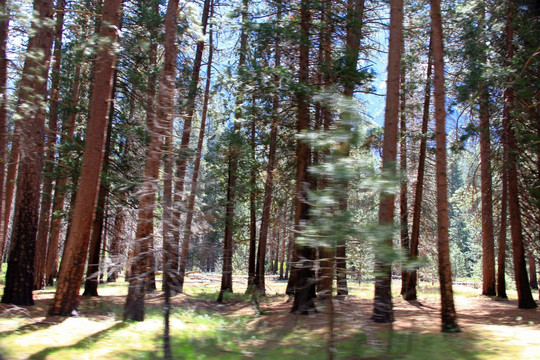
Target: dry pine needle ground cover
x,y
238,329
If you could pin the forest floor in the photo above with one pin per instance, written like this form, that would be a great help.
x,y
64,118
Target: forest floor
x,y
238,329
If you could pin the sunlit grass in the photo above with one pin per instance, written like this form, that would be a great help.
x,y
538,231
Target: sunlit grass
x,y
209,334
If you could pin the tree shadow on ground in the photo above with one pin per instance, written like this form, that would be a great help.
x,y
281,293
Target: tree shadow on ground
x,y
35,326
82,344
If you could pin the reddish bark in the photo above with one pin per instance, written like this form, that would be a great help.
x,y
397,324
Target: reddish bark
x,y
269,185
448,312
197,165
4,29
76,246
233,154
488,241
96,237
303,277
47,187
20,272
116,251
525,299
501,256
68,128
382,309
411,276
140,264
403,203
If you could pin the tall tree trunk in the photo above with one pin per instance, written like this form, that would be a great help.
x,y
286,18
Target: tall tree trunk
x,y
76,247
382,309
68,128
355,26
149,255
233,154
140,267
116,251
411,276
448,312
197,165
501,255
488,242
96,237
47,187
525,299
403,203
252,209
182,159
11,176
20,272
303,280
327,254
269,185
533,280
283,245
4,29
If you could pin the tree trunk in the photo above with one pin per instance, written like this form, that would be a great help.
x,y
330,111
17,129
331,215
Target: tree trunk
x,y
140,266
525,299
252,210
448,312
184,155
269,185
92,271
411,276
501,256
20,272
303,280
68,128
283,246
327,254
226,276
47,186
488,242
76,247
403,203
4,29
117,252
382,309
533,280
197,165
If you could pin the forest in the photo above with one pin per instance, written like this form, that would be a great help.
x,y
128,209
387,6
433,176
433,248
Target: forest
x,y
260,179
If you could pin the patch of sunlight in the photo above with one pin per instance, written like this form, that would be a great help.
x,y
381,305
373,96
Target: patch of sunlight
x,y
69,332
519,342
11,324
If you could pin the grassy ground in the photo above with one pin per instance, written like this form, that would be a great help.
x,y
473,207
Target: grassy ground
x,y
203,329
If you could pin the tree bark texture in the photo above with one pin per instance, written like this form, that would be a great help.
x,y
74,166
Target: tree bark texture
x,y
226,276
411,276
448,312
47,187
116,252
68,128
134,307
183,157
196,167
382,308
403,190
4,30
76,247
488,241
525,299
269,185
96,237
501,241
20,272
303,280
